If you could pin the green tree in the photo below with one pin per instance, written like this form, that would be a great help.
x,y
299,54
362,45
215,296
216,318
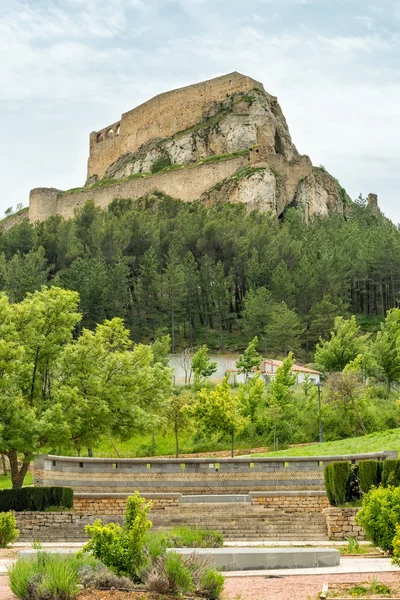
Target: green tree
x,y
250,359
345,345
251,396
173,287
148,291
280,390
283,330
218,410
178,413
33,334
25,273
202,366
321,318
386,348
108,385
257,310
346,389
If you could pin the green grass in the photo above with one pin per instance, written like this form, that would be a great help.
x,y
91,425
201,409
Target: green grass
x,y
5,481
375,442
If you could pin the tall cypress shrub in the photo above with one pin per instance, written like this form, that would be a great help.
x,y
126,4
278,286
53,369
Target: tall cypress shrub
x,y
369,473
337,477
391,473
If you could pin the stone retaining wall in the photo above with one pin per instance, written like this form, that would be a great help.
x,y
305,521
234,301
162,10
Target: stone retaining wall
x,y
291,502
189,476
114,504
341,524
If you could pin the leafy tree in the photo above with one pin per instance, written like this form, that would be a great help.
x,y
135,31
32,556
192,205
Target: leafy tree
x,y
148,291
386,348
257,310
173,287
202,366
33,334
251,395
280,390
25,273
178,413
283,330
108,385
218,410
58,391
345,345
322,318
250,359
346,389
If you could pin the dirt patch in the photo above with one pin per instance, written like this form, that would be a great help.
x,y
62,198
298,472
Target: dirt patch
x,y
114,595
298,587
370,587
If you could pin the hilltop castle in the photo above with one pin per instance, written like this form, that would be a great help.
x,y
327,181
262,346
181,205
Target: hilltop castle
x,y
225,139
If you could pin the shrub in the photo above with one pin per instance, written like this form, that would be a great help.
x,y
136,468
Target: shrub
x,y
99,577
8,529
396,547
161,163
391,473
338,479
49,577
380,514
36,498
122,548
369,473
211,584
185,537
178,574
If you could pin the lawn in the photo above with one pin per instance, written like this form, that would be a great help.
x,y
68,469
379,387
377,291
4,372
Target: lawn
x,y
375,442
5,480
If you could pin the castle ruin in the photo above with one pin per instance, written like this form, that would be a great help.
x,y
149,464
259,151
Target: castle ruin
x,y
225,139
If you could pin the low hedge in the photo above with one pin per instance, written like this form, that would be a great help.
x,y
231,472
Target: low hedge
x,y
36,498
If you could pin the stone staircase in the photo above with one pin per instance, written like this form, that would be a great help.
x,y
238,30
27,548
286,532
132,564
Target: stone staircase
x,y
242,521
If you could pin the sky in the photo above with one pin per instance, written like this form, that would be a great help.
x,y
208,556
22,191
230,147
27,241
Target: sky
x,y
69,67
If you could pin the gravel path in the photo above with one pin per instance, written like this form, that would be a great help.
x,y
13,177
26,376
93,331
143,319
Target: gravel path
x,y
301,587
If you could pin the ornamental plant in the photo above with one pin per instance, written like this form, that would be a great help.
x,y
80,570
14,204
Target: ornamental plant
x,y
122,548
8,528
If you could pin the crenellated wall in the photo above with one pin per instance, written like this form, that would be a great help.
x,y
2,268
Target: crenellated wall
x,y
161,117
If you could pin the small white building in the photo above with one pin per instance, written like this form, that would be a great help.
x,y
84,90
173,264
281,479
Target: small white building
x,y
268,368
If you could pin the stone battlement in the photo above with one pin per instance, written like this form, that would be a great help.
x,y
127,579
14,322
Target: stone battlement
x,y
161,117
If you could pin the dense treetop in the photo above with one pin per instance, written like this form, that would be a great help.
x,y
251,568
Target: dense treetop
x,y
210,275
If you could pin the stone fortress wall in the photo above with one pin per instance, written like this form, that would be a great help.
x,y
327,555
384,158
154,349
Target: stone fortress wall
x,y
161,117
223,140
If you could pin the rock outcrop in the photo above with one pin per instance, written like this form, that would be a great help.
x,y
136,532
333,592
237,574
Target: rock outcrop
x,y
224,140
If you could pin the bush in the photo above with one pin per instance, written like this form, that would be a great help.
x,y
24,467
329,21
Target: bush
x,y
36,498
185,537
49,577
391,473
176,574
8,529
122,548
380,515
179,577
369,473
338,482
161,163
99,577
211,584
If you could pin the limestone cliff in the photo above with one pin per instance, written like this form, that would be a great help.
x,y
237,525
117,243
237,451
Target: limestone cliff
x,y
223,140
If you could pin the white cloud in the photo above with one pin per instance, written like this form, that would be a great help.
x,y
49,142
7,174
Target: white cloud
x,y
72,70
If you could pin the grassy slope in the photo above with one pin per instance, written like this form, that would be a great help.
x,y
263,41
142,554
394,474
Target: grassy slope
x,y
5,481
375,442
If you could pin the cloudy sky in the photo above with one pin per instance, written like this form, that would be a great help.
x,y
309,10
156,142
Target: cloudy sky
x,y
69,67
